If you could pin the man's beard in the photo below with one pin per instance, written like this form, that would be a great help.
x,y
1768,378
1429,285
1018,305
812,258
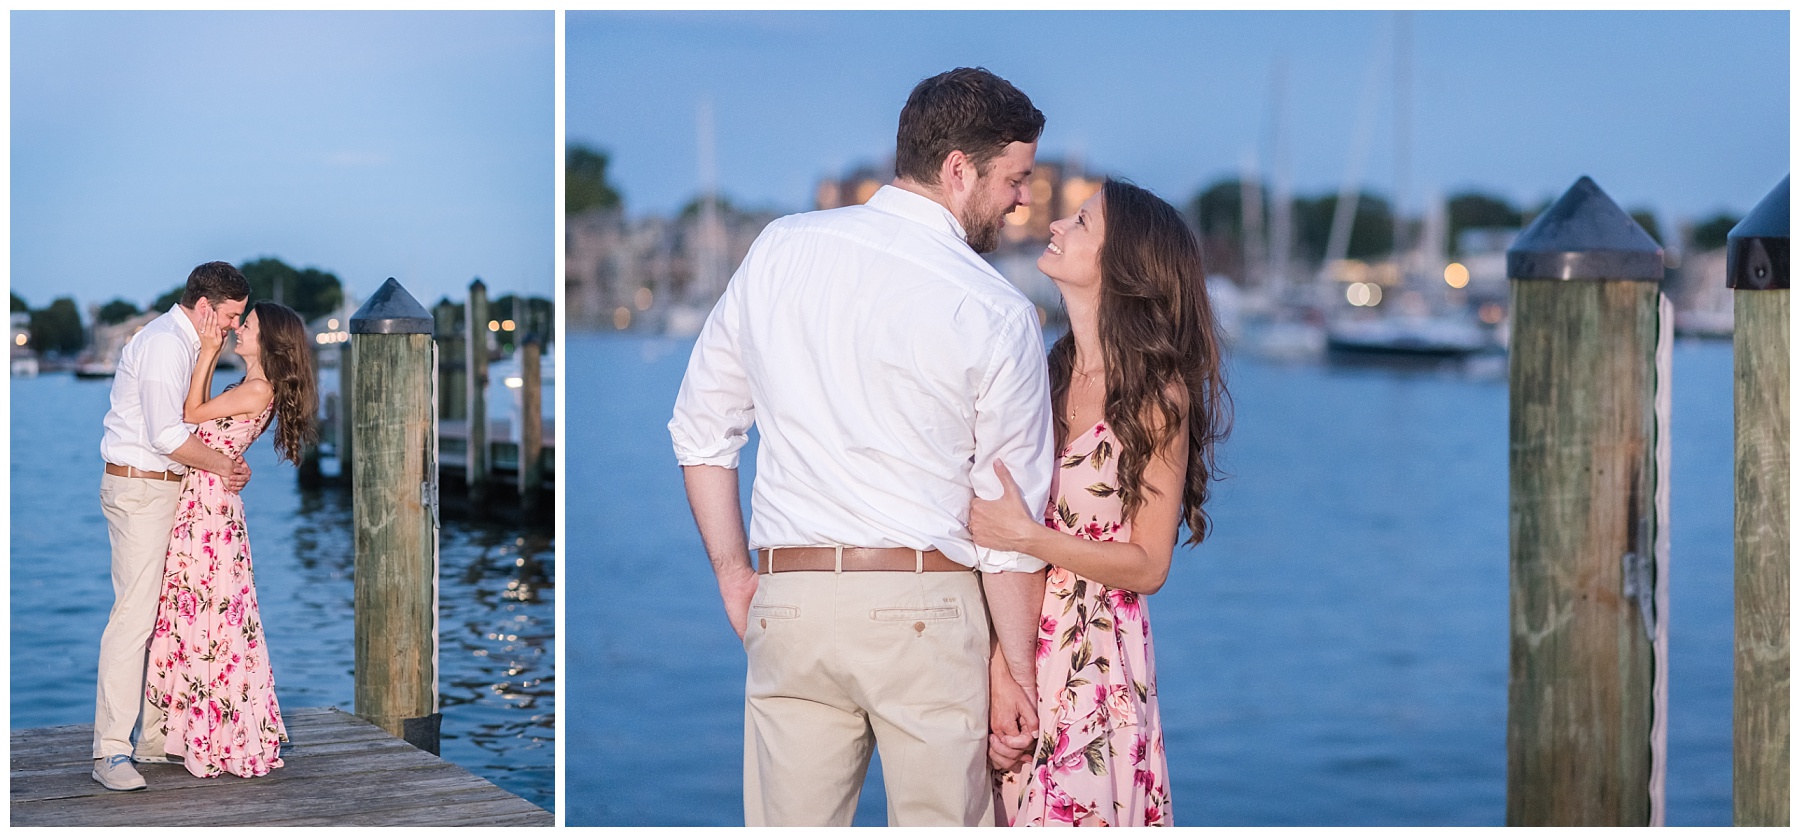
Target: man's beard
x,y
983,230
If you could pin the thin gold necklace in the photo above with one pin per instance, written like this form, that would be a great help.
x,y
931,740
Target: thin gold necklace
x,y
1071,396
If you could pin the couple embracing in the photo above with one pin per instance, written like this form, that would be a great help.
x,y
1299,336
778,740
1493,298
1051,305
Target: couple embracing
x,y
182,659
997,651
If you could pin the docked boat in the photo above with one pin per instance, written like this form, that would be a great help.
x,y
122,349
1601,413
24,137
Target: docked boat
x,y
1419,338
96,369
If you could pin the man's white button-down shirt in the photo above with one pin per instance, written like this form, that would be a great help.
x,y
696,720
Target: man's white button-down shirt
x,y
886,366
144,424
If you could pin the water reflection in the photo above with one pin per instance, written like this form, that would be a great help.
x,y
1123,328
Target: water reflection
x,y
322,532
503,636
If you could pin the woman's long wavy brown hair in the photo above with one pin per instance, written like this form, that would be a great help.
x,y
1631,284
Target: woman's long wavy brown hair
x,y
1159,337
287,360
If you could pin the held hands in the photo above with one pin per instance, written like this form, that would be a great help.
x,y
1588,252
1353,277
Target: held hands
x,y
1008,753
239,476
1005,523
1012,720
1002,523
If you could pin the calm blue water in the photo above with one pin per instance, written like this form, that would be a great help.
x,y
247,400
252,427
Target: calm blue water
x,y
497,617
1335,655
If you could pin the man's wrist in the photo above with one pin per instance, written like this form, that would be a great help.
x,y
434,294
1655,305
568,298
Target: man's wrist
x,y
734,574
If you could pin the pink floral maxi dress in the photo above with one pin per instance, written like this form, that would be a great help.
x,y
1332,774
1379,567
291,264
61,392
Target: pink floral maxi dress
x,y
209,669
1099,757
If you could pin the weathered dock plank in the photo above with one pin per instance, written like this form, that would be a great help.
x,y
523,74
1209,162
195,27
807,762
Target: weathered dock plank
x,y
339,770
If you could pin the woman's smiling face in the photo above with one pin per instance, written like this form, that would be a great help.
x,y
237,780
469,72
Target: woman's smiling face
x,y
1073,256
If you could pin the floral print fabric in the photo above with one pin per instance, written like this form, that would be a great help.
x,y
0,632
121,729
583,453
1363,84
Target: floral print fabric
x,y
1099,757
209,669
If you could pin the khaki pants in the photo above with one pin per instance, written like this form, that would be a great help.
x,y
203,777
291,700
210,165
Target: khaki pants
x,y
139,514
843,662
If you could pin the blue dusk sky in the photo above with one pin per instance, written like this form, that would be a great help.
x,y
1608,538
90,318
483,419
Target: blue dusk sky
x,y
417,145
1682,113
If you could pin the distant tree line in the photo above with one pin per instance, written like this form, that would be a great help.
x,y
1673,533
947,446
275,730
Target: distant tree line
x,y
1710,234
311,292
55,328
58,327
585,185
1217,211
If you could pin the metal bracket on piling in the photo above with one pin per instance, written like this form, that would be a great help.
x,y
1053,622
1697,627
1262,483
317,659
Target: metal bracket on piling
x,y
428,498
1639,572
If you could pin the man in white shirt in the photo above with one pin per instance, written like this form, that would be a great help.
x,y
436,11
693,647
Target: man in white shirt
x,y
147,447
887,367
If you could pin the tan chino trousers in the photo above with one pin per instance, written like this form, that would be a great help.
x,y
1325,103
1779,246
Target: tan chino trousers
x,y
139,514
840,663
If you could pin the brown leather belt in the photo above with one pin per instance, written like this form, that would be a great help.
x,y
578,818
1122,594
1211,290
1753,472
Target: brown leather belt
x,y
139,473
855,559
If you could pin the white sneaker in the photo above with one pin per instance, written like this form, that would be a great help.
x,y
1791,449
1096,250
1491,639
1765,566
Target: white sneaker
x,y
116,773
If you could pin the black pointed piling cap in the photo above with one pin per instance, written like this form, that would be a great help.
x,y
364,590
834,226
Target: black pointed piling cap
x,y
1756,250
391,310
1585,236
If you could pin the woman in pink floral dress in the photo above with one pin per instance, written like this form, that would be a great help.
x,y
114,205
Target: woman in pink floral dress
x,y
209,668
1140,403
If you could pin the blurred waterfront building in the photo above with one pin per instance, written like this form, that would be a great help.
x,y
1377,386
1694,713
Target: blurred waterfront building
x,y
649,272
24,358
1695,283
106,341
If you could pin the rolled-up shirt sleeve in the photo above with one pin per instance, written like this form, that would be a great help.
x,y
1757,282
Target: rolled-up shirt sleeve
x,y
162,390
1013,425
713,409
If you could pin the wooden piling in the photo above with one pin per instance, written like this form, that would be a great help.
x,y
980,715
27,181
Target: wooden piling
x,y
476,472
1583,741
1757,272
448,330
310,474
395,512
531,424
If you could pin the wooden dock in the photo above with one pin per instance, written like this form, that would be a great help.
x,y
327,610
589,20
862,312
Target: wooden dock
x,y
339,770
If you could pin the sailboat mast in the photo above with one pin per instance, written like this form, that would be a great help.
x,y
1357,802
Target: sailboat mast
x,y
1250,205
1281,221
1402,130
1337,246
708,274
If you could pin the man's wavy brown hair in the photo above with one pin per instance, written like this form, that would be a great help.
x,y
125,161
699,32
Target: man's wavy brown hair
x,y
1161,346
968,109
287,360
